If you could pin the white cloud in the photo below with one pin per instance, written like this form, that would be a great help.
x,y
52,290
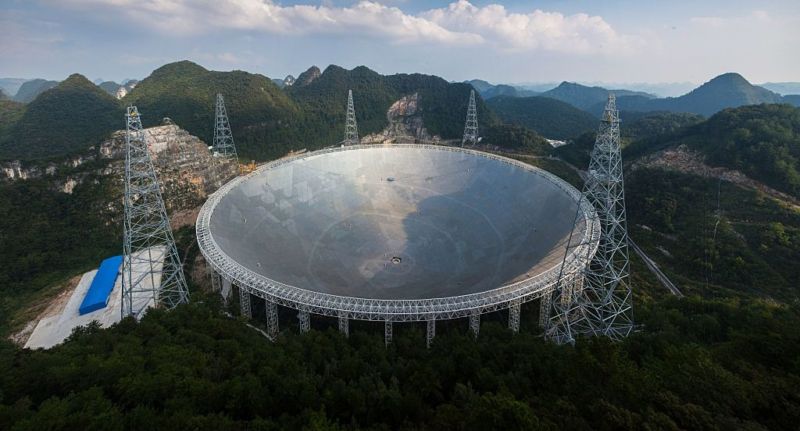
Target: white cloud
x,y
551,31
460,23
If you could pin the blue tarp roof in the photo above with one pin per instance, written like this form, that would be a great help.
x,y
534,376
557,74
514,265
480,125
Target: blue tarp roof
x,y
102,284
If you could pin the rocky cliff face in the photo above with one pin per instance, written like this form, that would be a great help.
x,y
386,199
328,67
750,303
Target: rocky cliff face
x,y
185,167
187,170
405,124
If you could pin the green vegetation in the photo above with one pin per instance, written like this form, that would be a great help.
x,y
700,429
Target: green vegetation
x,y
261,115
551,118
763,141
724,357
699,364
583,97
62,121
516,138
47,236
109,87
10,113
717,235
641,134
32,89
728,90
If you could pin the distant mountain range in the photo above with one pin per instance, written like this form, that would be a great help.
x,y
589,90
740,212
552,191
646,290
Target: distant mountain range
x,y
307,112
725,91
63,120
29,90
583,97
488,91
783,88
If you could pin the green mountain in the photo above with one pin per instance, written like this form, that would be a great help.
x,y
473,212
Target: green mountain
x,y
261,115
30,89
443,105
10,113
640,133
308,76
729,90
3,95
10,86
583,97
109,87
549,117
792,99
488,91
763,141
64,120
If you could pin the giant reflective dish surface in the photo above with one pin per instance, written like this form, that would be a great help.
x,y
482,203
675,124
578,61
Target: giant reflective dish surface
x,y
395,222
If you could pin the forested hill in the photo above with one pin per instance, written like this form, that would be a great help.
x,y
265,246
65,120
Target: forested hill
x,y
584,97
443,105
32,89
260,113
63,120
729,90
763,141
551,118
267,121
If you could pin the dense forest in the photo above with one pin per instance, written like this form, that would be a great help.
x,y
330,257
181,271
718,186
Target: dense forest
x,y
62,121
47,236
697,364
548,117
763,141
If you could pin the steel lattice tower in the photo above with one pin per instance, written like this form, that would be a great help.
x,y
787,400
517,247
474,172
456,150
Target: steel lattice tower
x,y
600,302
152,274
350,128
223,138
471,127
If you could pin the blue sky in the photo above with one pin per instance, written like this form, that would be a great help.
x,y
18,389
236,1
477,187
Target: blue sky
x,y
500,41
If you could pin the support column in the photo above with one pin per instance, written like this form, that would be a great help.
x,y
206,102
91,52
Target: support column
x,y
430,333
305,321
226,289
272,319
244,302
387,332
475,322
216,283
344,325
513,315
545,305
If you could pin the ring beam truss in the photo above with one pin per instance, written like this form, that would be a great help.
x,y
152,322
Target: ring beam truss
x,y
399,310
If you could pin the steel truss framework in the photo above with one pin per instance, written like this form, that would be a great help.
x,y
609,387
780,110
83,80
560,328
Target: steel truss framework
x,y
399,310
152,273
471,126
350,128
599,303
223,137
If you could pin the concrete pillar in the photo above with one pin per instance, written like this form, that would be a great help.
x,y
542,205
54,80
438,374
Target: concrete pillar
x,y
513,314
431,332
387,332
244,302
305,321
344,325
545,305
226,288
475,322
272,319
